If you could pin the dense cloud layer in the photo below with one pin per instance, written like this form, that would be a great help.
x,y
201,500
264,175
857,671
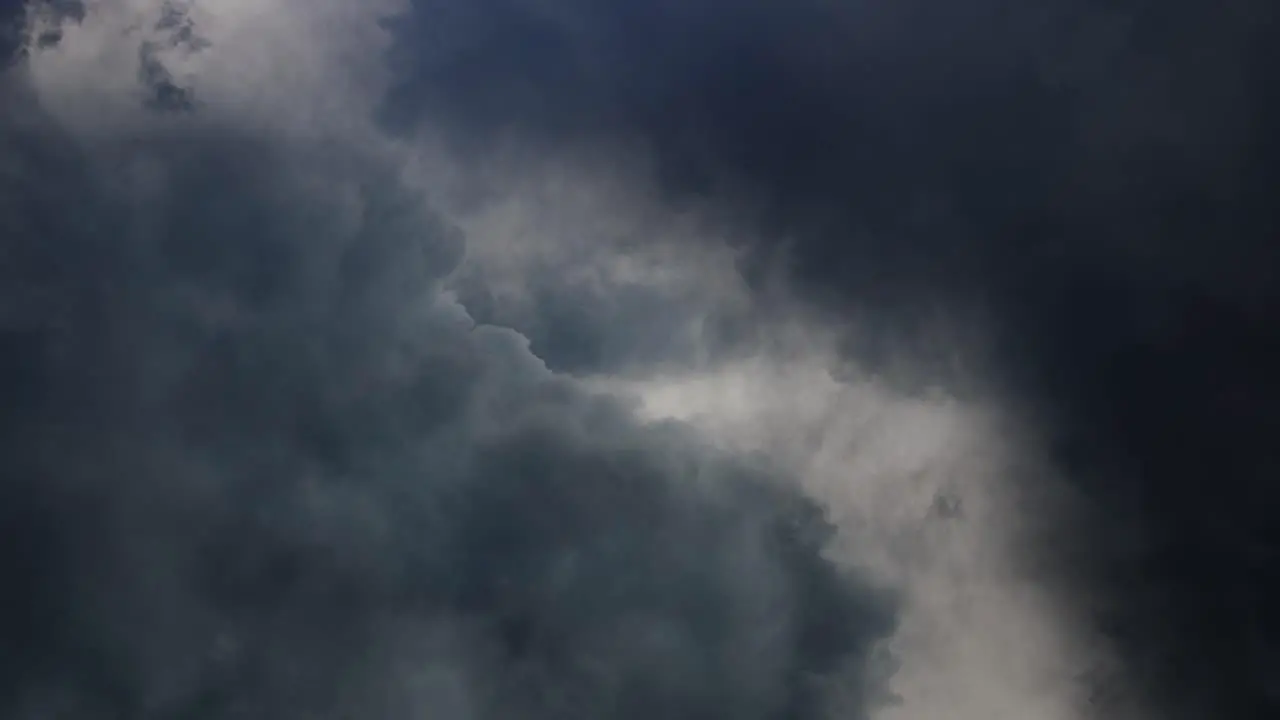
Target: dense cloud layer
x,y
258,463
1097,180
308,423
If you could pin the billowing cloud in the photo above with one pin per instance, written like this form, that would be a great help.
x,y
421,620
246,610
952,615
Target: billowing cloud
x,y
259,462
1093,184
502,339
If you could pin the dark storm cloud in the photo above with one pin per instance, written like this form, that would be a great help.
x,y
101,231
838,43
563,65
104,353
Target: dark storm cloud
x,y
577,329
566,332
255,464
1099,179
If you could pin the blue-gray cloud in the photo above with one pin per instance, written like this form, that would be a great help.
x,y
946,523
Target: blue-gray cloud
x,y
257,464
1098,181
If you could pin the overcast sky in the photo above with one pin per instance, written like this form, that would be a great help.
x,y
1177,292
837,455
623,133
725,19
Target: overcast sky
x,y
476,359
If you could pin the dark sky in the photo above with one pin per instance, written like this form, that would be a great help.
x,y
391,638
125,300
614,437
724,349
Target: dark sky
x,y
1099,178
1096,180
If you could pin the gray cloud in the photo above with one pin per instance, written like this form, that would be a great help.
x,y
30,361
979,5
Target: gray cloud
x,y
1094,183
258,464
1094,180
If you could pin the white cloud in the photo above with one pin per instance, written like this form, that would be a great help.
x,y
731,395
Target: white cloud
x,y
296,68
926,493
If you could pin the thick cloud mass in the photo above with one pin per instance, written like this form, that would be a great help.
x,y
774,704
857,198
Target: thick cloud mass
x,y
1097,179
257,464
282,440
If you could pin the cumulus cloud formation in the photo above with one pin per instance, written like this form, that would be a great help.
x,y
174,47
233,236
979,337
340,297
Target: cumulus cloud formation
x,y
1093,183
509,358
259,463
